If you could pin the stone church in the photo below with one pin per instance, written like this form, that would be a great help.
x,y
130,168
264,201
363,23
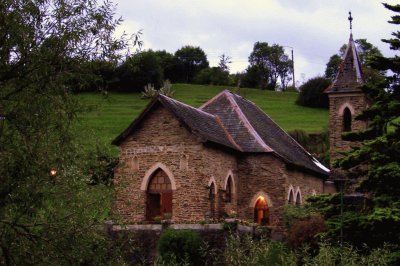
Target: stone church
x,y
226,157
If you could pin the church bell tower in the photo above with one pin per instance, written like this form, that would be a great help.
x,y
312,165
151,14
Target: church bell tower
x,y
346,100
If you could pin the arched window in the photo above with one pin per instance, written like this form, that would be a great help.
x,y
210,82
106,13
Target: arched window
x,y
298,199
291,197
211,191
228,191
211,197
346,120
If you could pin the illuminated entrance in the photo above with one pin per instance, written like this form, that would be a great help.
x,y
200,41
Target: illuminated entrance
x,y
261,213
159,196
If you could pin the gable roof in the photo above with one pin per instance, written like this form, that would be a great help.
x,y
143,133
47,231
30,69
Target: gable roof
x,y
232,121
202,124
349,77
265,134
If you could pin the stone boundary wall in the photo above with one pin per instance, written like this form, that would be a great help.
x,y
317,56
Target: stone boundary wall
x,y
146,236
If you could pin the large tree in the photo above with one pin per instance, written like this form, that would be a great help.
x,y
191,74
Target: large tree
x,y
139,70
192,59
48,212
272,63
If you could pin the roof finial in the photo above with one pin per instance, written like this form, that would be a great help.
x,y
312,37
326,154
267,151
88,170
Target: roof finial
x,y
351,20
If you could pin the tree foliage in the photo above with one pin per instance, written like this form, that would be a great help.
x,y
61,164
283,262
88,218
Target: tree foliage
x,y
271,63
192,59
376,160
312,93
45,47
212,76
139,70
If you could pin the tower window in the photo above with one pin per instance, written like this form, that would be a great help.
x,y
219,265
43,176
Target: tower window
x,y
346,120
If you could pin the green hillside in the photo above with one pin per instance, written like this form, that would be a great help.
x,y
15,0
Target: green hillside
x,y
109,116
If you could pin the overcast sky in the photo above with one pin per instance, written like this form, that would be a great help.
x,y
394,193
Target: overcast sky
x,y
316,29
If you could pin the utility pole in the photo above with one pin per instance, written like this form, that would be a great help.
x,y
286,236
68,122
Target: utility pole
x,y
294,83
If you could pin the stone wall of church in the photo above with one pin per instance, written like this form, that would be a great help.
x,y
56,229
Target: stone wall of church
x,y
356,102
162,141
259,174
267,176
305,184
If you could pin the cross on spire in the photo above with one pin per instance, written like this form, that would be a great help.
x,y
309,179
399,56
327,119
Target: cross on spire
x,y
350,18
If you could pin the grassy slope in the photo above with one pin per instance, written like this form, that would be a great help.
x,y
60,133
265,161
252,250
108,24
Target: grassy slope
x,y
111,115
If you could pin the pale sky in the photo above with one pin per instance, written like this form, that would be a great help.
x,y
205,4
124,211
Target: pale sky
x,y
316,29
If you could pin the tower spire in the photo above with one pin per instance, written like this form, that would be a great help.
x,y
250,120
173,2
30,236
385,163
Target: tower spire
x,y
350,18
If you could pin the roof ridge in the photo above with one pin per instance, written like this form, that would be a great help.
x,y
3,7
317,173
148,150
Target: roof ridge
x,y
230,138
246,123
213,99
186,105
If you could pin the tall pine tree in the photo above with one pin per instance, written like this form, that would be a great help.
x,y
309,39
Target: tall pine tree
x,y
376,162
378,158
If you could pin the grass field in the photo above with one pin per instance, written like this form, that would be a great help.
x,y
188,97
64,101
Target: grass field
x,y
109,116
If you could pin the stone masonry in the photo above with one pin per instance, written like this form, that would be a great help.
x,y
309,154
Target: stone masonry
x,y
162,142
355,102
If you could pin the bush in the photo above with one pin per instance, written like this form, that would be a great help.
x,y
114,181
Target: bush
x,y
180,246
212,76
246,251
312,93
151,92
305,232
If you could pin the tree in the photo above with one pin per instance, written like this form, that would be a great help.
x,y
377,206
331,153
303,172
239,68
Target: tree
x,y
192,59
169,64
224,62
212,76
332,67
376,160
272,63
254,77
312,93
48,212
139,70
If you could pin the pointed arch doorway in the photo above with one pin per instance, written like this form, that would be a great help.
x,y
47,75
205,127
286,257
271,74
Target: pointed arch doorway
x,y
261,212
158,196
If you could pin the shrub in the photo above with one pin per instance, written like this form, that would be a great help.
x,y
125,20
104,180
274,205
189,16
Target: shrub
x,y
305,232
180,246
292,213
246,251
348,255
151,92
166,89
312,93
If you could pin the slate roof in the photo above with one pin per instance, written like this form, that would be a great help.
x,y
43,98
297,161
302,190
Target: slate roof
x,y
266,135
234,122
349,77
202,124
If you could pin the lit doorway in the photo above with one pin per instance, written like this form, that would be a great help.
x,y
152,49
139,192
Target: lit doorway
x,y
261,212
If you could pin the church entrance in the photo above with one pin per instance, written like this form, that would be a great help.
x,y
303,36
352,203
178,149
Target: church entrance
x,y
261,213
159,196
